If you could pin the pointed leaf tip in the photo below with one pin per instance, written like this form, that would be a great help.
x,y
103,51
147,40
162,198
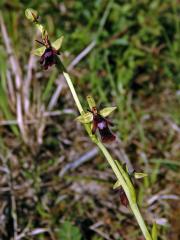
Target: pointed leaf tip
x,y
117,184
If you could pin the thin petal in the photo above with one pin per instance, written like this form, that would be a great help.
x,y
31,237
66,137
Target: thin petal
x,y
91,101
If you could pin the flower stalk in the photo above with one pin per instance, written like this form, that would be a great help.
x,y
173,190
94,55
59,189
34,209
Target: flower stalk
x,y
122,176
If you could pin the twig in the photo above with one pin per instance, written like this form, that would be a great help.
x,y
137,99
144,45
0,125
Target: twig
x,y
24,232
17,74
173,125
94,228
27,82
12,196
81,55
10,85
35,120
160,196
56,94
78,162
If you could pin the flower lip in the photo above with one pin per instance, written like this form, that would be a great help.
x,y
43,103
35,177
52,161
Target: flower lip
x,y
48,58
102,124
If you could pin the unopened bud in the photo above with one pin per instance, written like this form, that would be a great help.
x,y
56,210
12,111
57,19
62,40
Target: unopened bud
x,y
31,14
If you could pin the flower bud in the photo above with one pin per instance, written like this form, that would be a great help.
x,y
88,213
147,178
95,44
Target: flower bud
x,y
31,14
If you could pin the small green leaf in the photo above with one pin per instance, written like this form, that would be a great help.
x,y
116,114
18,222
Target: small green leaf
x,y
91,101
154,231
69,232
57,44
39,51
117,184
140,175
85,118
31,14
106,111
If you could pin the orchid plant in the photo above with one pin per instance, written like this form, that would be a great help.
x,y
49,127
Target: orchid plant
x,y
92,120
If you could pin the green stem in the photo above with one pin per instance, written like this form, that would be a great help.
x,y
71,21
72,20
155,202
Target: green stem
x,y
76,99
127,179
130,193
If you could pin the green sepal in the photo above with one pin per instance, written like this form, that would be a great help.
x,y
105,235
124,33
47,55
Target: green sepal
x,y
57,44
117,184
154,231
39,51
85,118
140,175
106,111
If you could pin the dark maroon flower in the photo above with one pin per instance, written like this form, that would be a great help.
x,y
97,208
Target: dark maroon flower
x,y
102,125
123,197
48,58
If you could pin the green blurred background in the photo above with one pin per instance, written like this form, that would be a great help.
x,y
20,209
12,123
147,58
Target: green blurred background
x,y
131,60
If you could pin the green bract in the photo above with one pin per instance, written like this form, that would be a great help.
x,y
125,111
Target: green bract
x,y
140,175
154,231
117,184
